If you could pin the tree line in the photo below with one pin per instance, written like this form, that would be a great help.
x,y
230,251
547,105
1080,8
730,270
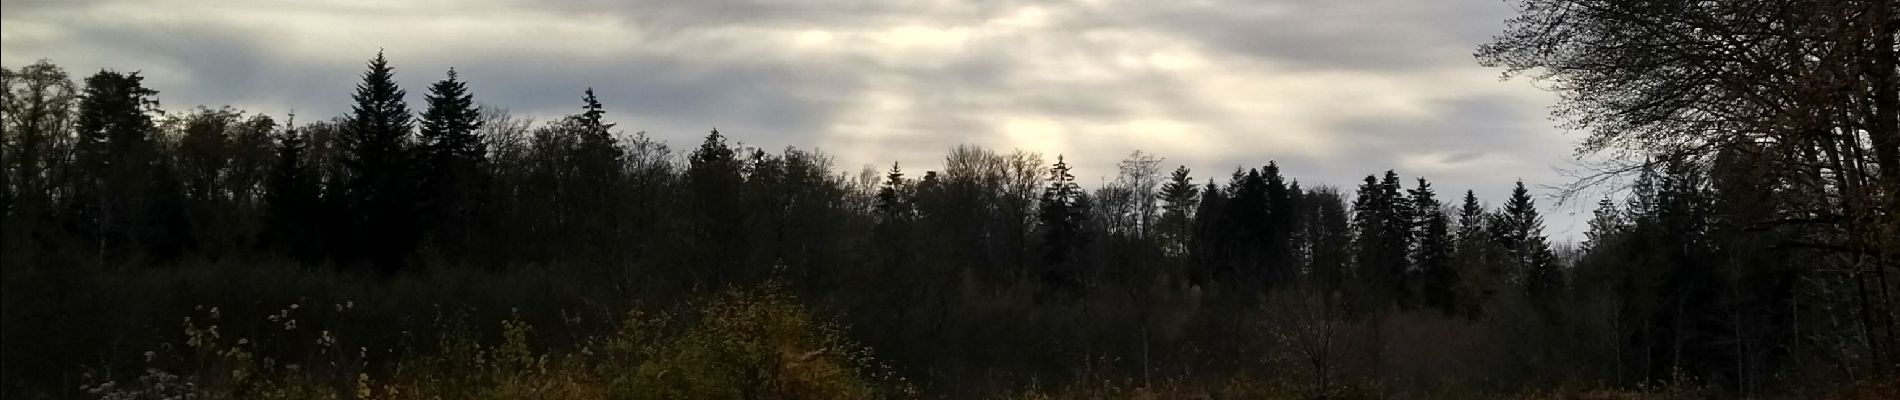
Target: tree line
x,y
1751,251
99,174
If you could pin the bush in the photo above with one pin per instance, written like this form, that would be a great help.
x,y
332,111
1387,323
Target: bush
x,y
743,344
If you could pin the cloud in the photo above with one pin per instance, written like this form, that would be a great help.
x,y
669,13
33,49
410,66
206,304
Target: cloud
x,y
1331,89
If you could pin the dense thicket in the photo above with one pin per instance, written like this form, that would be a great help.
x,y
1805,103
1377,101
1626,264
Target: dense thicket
x,y
1755,258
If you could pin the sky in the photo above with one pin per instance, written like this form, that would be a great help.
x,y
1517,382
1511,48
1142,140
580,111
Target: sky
x,y
1332,90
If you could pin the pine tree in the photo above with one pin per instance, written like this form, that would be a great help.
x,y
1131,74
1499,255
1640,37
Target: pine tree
x,y
1277,229
1064,211
713,185
595,173
1382,218
1330,233
1471,218
1473,256
291,203
1179,197
378,162
893,198
1209,242
1245,218
1398,217
596,135
120,164
1432,252
1606,222
1519,230
453,160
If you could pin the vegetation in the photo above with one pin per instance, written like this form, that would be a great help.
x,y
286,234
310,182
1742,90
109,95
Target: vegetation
x,y
461,252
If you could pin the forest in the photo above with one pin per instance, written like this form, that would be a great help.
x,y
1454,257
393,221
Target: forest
x,y
453,250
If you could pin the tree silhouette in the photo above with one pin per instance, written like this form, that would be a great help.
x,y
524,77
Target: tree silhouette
x,y
453,163
380,181
292,209
120,195
1064,213
1432,254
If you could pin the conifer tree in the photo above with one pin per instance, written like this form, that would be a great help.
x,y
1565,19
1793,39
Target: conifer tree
x,y
1064,211
1277,230
1209,242
1519,230
713,185
291,203
594,173
1473,255
1432,252
1471,218
1179,197
1606,222
119,164
1382,219
379,167
1245,218
453,162
1330,233
893,197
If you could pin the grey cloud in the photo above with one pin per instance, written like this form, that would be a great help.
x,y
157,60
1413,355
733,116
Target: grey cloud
x,y
1377,35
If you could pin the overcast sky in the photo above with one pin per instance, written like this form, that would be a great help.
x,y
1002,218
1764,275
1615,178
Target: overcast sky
x,y
1332,89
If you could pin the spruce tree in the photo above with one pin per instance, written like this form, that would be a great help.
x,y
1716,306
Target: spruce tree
x,y
1277,230
291,203
1606,222
1330,233
1382,219
379,167
119,164
1064,211
1471,218
1472,254
893,199
1245,231
595,173
1432,252
1519,230
1209,241
453,160
1179,197
713,188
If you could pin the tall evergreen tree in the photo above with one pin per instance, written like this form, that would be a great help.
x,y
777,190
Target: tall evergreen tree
x,y
1245,217
292,211
453,163
1432,252
893,197
1209,243
120,166
1277,230
594,174
1382,219
1519,230
1064,213
380,182
1330,233
1179,197
1606,222
1474,256
714,182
